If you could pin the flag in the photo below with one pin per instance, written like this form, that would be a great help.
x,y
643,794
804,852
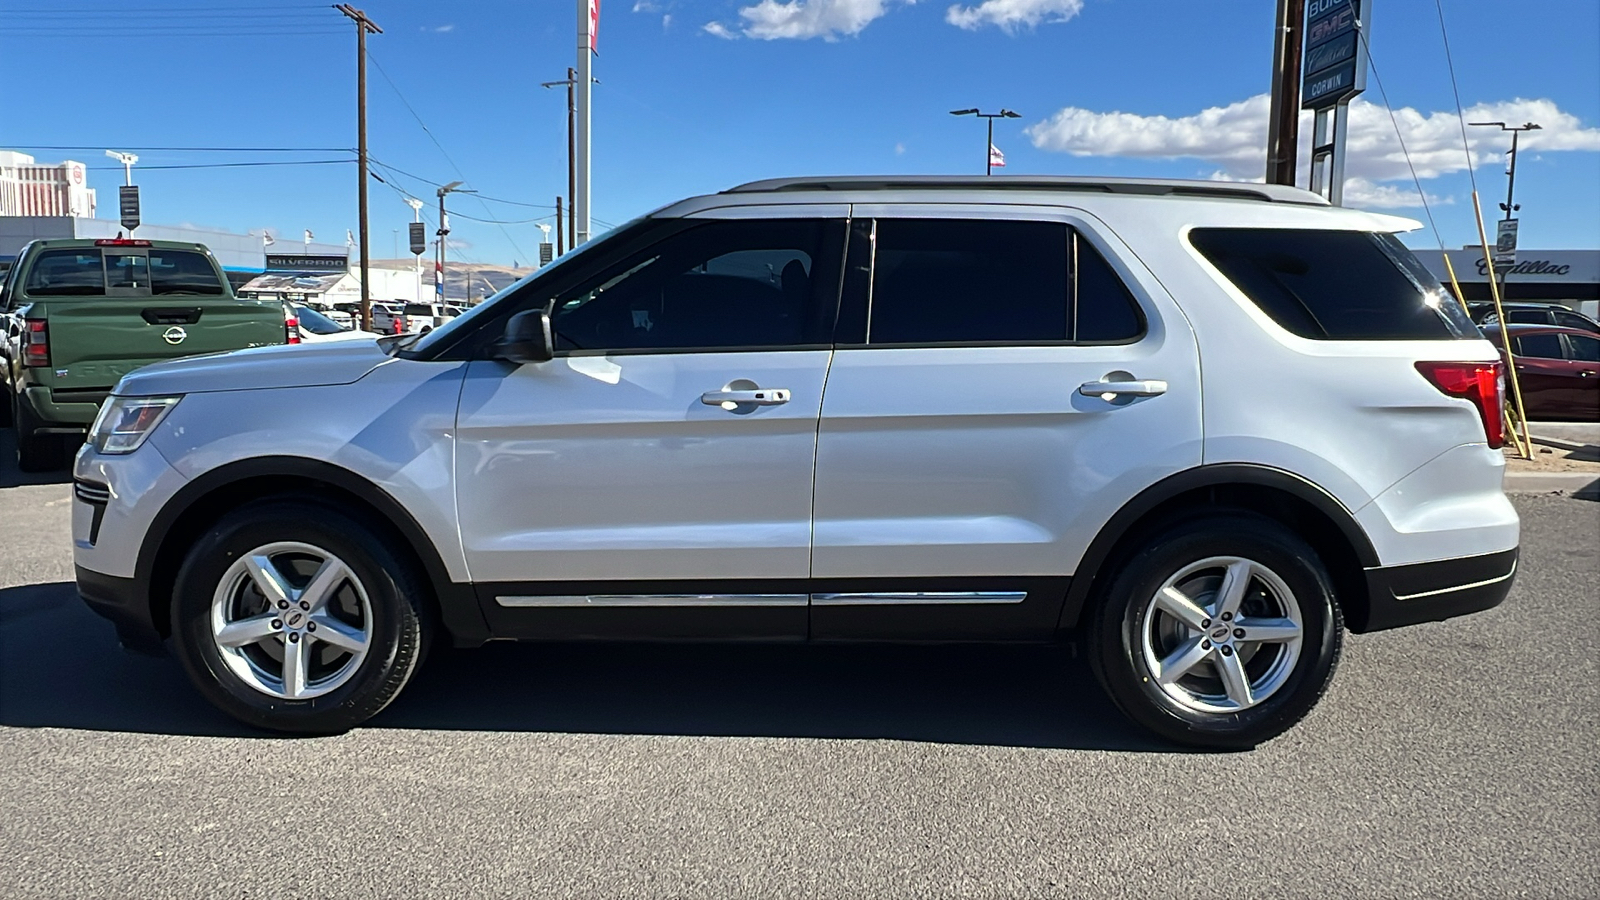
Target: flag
x,y
594,26
996,158
438,279
308,235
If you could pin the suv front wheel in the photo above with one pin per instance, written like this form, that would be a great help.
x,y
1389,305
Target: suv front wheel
x,y
293,616
1219,632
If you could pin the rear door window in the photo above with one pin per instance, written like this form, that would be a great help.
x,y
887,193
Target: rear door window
x,y
1335,285
973,281
1584,349
66,273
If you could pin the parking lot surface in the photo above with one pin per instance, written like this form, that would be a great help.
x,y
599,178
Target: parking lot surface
x,y
1455,759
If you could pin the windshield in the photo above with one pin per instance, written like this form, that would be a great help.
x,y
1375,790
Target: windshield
x,y
316,322
442,334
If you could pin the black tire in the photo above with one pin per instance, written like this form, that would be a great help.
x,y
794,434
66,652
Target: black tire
x,y
35,452
399,627
1125,617
5,399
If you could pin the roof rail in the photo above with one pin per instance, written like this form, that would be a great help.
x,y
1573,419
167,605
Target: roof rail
x,y
1240,190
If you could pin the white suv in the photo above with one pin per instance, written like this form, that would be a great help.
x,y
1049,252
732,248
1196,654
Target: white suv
x,y
1200,428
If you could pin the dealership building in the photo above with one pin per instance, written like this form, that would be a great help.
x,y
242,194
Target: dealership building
x,y
1568,277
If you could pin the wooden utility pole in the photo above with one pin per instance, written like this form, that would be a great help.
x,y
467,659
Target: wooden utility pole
x,y
363,25
572,159
1283,122
559,248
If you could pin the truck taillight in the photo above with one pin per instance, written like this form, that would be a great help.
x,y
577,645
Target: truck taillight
x,y
36,344
291,329
1484,383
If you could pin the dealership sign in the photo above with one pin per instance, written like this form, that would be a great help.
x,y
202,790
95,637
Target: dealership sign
x,y
1573,267
304,262
1335,59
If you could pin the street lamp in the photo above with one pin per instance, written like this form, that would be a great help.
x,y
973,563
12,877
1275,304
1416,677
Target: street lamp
x,y
444,229
1511,173
416,216
988,150
127,160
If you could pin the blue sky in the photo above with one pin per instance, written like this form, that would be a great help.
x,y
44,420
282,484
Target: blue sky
x,y
698,95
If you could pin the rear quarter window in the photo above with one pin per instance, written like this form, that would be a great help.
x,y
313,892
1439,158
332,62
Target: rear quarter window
x,y
183,272
66,273
1335,285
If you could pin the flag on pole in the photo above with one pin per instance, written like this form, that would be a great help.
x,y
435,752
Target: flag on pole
x,y
594,26
438,279
996,158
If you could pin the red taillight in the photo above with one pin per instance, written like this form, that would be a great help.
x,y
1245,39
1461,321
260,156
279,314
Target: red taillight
x,y
121,242
1481,382
291,327
36,344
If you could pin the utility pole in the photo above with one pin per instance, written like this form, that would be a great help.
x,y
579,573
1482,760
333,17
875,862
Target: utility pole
x,y
363,25
1510,207
588,22
572,114
1283,123
559,248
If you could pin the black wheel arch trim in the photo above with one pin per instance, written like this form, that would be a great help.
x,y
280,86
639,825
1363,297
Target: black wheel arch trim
x,y
457,603
1121,524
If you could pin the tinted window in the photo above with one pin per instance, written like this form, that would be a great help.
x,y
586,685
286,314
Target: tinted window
x,y
418,309
1544,346
1335,285
1586,349
127,270
1573,320
720,284
316,322
1104,309
954,281
1528,317
66,273
182,272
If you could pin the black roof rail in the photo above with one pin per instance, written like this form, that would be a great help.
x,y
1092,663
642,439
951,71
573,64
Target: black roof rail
x,y
1239,190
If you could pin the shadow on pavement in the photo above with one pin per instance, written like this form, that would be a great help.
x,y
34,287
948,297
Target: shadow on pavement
x,y
11,477
61,667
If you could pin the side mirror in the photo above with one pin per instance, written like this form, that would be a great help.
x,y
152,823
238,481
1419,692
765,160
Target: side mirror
x,y
527,338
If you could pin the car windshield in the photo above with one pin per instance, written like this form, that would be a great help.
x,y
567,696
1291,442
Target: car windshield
x,y
442,334
315,322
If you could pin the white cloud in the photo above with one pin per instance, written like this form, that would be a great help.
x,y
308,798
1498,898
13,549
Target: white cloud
x,y
1234,138
1012,15
666,21
772,20
441,29
900,149
719,30
646,6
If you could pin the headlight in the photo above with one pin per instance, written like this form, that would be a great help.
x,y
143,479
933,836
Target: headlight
x,y
125,422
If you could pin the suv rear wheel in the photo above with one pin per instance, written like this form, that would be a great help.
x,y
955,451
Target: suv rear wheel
x,y
293,616
1218,633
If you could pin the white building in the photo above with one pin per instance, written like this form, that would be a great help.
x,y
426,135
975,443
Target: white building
x,y
30,189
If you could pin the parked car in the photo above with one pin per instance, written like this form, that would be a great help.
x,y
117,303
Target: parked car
x,y
385,317
77,314
424,317
842,409
1535,314
1558,370
313,327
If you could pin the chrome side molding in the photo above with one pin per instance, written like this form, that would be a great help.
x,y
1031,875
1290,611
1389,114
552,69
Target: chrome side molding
x,y
591,601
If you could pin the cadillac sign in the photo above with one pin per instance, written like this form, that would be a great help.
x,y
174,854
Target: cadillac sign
x,y
1335,58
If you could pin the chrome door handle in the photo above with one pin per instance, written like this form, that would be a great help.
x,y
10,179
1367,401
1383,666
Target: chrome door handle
x,y
1124,388
757,397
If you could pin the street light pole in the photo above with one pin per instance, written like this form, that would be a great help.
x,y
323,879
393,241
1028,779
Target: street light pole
x,y
444,230
127,160
416,216
988,149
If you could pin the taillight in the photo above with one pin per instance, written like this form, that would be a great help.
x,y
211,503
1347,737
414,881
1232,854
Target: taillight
x,y
1483,383
291,329
36,344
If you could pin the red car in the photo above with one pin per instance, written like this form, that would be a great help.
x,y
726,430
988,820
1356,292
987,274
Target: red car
x,y
1558,368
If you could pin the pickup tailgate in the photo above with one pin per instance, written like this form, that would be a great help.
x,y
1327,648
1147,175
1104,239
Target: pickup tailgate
x,y
95,342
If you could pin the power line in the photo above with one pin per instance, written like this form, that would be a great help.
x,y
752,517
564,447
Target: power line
x,y
1460,117
1361,32
233,165
185,149
445,153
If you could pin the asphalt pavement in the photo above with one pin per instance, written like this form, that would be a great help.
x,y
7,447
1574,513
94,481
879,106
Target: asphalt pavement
x,y
1456,759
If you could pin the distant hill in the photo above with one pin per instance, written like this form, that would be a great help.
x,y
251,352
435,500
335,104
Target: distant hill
x,y
464,281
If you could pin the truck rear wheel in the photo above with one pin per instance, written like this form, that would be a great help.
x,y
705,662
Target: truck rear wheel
x,y
35,452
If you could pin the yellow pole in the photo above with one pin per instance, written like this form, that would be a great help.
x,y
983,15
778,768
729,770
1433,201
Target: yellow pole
x,y
1525,444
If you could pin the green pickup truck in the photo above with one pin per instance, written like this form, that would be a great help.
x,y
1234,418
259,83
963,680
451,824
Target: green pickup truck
x,y
78,314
